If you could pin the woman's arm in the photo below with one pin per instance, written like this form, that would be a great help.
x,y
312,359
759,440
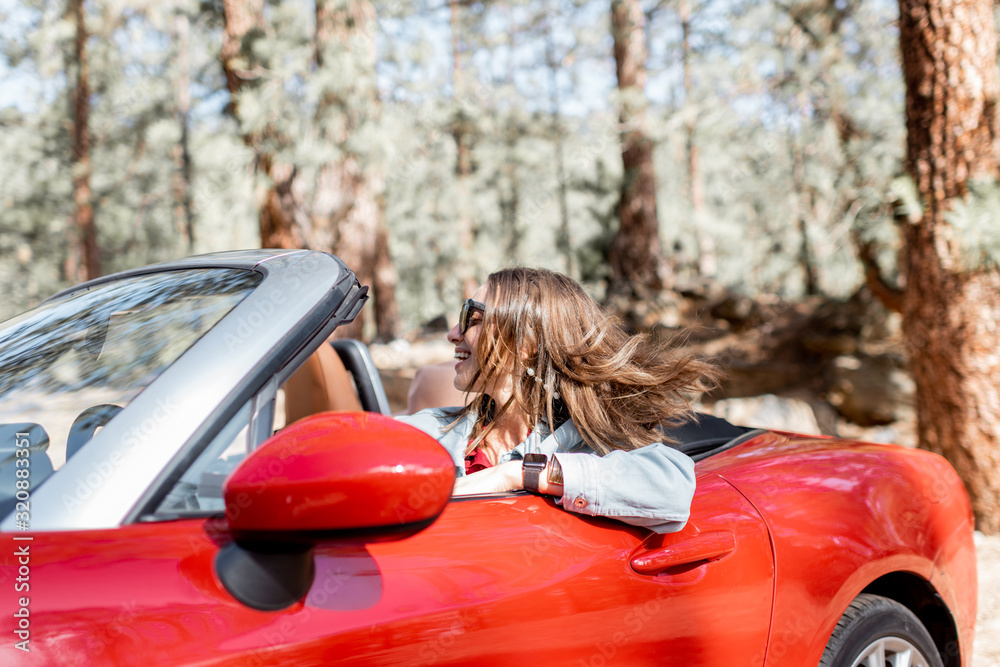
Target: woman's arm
x,y
505,477
650,487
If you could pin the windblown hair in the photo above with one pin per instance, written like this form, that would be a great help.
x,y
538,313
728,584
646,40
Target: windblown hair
x,y
570,359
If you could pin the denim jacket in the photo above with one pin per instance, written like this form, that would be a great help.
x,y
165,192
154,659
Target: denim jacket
x,y
650,487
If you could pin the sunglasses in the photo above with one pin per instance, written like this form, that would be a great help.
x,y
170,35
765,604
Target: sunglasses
x,y
465,315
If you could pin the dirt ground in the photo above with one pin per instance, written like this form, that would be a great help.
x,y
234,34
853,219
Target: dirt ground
x,y
986,652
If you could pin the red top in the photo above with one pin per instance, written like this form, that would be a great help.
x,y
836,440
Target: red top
x,y
477,461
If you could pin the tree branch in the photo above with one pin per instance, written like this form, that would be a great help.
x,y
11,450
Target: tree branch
x,y
890,296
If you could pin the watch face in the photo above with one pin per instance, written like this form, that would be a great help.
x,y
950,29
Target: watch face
x,y
535,459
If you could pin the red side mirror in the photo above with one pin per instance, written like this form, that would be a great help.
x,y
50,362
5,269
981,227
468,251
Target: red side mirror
x,y
340,471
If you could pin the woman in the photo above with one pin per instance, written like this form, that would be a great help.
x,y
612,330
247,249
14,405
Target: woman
x,y
565,403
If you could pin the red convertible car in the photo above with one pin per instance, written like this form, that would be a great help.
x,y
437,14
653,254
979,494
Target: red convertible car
x,y
157,510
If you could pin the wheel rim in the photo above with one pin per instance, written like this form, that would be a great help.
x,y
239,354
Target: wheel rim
x,y
891,652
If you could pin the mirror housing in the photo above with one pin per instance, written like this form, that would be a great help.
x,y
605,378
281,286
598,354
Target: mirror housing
x,y
340,471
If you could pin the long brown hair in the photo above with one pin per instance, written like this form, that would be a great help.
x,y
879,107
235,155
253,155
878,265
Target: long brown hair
x,y
570,359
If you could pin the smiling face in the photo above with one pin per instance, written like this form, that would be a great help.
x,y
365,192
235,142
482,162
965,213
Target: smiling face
x,y
465,347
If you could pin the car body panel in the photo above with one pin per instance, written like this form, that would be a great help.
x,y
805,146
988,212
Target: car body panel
x,y
510,578
842,514
955,579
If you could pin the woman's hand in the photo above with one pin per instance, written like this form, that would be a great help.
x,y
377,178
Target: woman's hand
x,y
507,476
499,478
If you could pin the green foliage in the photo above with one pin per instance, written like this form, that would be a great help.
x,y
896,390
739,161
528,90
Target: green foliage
x,y
771,85
907,199
973,226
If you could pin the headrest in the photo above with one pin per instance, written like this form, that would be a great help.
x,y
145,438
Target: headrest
x,y
10,434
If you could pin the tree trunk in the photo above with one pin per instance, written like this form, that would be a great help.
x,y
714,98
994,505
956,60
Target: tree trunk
x,y
463,160
463,163
802,205
638,268
563,242
183,206
352,188
384,289
510,198
950,312
87,262
707,261
278,225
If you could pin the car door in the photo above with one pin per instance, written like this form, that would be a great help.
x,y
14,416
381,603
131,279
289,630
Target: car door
x,y
515,578
494,580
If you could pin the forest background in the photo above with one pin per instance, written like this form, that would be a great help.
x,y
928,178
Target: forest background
x,y
811,184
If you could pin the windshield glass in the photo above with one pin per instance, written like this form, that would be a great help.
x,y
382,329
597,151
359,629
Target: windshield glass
x,y
69,366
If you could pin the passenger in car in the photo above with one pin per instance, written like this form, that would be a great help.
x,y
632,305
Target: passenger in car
x,y
564,402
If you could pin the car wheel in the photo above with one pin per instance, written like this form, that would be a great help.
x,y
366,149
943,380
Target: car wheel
x,y
878,632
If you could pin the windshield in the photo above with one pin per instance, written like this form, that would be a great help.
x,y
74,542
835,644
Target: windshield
x,y
69,366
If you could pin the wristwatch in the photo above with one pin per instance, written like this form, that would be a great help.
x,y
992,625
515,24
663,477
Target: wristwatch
x,y
532,467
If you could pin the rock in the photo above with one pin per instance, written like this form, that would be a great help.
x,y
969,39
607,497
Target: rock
x,y
769,411
738,310
870,390
898,433
439,324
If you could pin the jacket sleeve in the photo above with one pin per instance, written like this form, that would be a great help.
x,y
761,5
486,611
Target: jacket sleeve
x,y
650,487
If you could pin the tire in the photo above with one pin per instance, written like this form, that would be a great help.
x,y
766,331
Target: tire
x,y
873,623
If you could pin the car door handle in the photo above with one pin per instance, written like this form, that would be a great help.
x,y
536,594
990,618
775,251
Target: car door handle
x,y
701,548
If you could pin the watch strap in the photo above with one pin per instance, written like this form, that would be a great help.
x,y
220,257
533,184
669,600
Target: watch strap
x,y
532,468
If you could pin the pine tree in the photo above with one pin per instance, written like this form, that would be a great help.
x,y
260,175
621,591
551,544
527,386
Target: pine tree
x,y
345,40
279,212
638,268
461,130
183,196
85,260
951,301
